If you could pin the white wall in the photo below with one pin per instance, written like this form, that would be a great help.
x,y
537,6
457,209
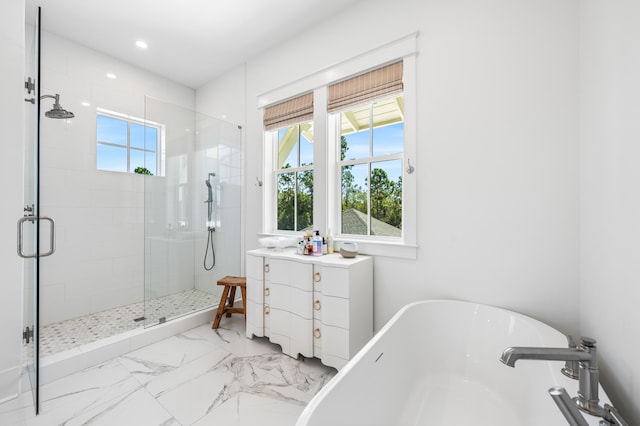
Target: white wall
x,y
497,163
99,263
610,194
12,57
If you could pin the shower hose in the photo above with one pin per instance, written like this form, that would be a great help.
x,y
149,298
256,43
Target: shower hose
x,y
213,250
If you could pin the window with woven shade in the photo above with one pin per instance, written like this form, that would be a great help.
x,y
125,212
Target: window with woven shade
x,y
369,111
340,160
291,122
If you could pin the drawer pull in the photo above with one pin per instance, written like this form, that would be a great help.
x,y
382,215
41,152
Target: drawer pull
x,y
316,305
267,310
266,291
266,267
316,333
316,277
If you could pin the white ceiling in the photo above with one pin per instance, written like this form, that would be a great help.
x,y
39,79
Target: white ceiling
x,y
190,41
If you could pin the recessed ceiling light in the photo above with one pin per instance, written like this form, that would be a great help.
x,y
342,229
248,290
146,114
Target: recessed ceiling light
x,y
142,44
111,75
85,104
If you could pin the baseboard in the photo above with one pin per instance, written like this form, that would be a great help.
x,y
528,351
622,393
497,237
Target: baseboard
x,y
9,384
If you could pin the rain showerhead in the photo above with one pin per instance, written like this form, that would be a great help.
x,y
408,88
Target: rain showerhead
x,y
57,111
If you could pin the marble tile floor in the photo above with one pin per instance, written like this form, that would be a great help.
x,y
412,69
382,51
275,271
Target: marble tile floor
x,y
200,377
64,335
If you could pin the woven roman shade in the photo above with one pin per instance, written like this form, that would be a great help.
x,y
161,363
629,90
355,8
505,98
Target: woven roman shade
x,y
365,87
293,111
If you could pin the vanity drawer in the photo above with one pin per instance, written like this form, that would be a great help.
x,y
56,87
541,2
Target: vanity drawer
x,y
280,296
294,274
301,303
335,311
335,341
335,281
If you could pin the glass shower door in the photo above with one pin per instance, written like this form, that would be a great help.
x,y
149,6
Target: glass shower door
x,y
28,225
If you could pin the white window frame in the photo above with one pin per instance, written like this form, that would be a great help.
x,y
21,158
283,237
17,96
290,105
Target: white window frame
x,y
326,214
160,150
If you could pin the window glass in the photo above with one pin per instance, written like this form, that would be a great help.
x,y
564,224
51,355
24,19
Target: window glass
x,y
150,162
355,142
388,126
295,177
136,135
306,144
304,200
371,168
388,139
288,143
112,158
136,159
354,199
111,130
386,198
151,139
286,201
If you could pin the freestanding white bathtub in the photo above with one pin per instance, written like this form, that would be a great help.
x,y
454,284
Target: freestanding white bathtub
x,y
437,363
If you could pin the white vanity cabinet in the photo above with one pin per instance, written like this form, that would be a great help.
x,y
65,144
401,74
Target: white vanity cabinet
x,y
315,306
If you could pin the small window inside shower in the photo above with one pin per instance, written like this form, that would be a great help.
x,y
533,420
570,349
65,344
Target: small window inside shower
x,y
128,144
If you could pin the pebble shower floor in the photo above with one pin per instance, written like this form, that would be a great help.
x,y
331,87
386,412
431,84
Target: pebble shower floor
x,y
65,335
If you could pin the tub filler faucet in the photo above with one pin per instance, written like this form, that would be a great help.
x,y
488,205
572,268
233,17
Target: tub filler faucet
x,y
585,355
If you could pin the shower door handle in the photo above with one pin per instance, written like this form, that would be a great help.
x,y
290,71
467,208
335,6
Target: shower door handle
x,y
52,236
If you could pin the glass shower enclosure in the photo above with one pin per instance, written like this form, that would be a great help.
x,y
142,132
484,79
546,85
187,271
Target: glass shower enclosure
x,y
192,211
129,249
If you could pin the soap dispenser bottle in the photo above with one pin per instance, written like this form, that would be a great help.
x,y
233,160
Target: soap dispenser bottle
x,y
317,244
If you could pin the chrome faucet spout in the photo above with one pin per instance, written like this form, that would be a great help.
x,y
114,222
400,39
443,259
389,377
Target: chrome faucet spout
x,y
586,357
513,354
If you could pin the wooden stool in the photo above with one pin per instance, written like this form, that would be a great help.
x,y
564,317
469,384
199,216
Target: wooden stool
x,y
230,283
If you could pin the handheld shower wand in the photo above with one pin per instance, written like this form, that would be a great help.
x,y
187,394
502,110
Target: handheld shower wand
x,y
210,226
209,199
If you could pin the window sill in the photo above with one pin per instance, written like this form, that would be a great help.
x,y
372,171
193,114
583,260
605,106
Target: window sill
x,y
369,247
383,248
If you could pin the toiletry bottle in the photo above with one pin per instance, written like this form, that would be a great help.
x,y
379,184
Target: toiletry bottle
x,y
329,242
324,245
317,244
